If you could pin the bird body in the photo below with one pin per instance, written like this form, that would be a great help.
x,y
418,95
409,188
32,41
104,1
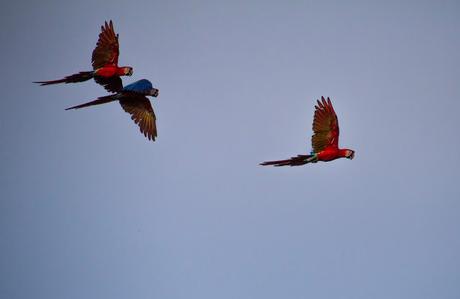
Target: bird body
x,y
325,140
106,71
111,71
330,154
133,100
141,87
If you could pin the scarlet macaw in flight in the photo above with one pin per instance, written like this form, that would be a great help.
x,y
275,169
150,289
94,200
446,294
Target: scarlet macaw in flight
x,y
106,71
325,140
133,100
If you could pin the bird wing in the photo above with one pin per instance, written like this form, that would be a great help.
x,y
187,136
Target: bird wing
x,y
325,126
142,113
112,84
107,47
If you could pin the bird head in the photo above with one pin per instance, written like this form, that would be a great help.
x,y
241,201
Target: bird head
x,y
153,92
350,154
128,71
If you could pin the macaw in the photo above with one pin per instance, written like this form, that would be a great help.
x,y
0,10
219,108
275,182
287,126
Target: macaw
x,y
325,140
106,71
133,100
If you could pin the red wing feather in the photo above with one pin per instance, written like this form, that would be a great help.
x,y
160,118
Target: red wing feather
x,y
107,47
325,126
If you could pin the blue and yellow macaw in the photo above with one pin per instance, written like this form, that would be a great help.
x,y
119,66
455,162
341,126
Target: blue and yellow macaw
x,y
133,100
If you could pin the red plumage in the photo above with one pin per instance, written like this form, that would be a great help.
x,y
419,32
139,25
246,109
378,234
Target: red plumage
x,y
325,140
104,59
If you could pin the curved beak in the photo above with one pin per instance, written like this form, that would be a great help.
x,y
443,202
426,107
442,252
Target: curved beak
x,y
154,92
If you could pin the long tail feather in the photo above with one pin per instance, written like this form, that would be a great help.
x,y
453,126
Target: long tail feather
x,y
294,161
99,101
80,77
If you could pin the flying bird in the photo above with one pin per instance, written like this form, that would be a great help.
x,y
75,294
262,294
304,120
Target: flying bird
x,y
106,71
133,100
325,140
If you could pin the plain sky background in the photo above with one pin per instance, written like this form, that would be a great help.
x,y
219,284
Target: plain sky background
x,y
90,209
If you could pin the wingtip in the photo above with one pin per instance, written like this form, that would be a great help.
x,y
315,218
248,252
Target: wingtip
x,y
150,137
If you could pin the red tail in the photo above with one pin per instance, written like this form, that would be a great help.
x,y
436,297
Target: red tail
x,y
294,161
80,77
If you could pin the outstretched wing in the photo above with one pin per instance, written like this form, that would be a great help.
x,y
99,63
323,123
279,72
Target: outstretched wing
x,y
142,113
325,126
112,84
107,48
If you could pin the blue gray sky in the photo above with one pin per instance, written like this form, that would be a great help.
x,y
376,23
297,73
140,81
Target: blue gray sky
x,y
90,209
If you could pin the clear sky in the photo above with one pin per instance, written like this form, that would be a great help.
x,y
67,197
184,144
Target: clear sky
x,y
90,209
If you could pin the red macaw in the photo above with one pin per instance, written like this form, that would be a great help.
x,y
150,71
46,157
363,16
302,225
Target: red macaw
x,y
106,71
325,140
